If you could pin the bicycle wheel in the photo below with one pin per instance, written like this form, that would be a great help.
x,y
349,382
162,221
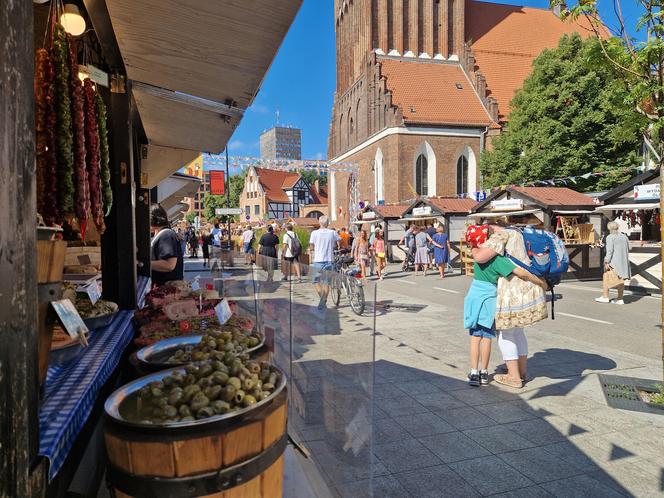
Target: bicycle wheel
x,y
356,296
335,290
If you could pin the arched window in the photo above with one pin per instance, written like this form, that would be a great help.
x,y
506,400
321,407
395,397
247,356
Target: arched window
x,y
378,176
462,175
340,134
351,130
357,120
422,175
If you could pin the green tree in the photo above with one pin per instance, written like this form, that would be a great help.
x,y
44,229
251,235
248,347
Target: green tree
x,y
211,202
310,176
640,64
190,217
571,117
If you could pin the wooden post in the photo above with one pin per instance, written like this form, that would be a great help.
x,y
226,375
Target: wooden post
x,y
143,230
119,240
19,437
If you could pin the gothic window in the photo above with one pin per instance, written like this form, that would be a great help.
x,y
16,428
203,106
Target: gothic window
x,y
421,175
462,175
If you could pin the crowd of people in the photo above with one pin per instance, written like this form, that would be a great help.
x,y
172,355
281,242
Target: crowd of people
x,y
502,301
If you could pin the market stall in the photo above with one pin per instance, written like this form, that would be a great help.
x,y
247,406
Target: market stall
x,y
450,212
101,106
634,205
570,214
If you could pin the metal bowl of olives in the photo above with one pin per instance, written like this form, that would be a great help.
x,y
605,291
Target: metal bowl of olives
x,y
197,394
185,349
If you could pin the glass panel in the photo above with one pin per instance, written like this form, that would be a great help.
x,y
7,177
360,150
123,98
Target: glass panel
x,y
331,375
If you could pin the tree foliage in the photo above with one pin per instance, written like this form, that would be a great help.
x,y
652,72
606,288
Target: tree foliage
x,y
212,202
572,116
190,217
310,176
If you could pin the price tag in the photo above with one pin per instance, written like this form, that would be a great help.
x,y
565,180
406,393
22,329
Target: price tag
x,y
195,285
84,259
92,290
223,311
69,318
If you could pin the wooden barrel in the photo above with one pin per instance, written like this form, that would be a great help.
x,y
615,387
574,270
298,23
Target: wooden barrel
x,y
238,458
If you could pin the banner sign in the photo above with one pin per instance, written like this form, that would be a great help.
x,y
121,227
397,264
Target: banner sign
x,y
646,192
507,205
217,182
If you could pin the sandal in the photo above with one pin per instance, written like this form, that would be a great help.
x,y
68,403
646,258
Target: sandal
x,y
506,381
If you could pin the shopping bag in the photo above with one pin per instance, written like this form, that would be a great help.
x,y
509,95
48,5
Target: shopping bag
x,y
612,279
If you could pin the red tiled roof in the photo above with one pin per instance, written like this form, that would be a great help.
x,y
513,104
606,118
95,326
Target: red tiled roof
x,y
274,182
320,197
428,92
556,196
506,39
391,211
452,205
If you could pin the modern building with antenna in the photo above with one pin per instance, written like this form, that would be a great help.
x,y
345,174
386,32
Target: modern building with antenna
x,y
281,142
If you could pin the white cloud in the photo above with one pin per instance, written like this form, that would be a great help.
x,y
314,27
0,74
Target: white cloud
x,y
259,108
319,156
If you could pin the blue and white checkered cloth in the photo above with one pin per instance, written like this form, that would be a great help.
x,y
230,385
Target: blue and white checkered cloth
x,y
71,389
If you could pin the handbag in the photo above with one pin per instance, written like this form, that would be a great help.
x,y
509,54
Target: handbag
x,y
612,279
380,254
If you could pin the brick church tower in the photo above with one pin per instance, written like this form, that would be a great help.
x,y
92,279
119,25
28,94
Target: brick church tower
x,y
422,87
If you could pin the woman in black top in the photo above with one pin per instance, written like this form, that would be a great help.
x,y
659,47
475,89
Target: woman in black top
x,y
206,241
165,249
267,248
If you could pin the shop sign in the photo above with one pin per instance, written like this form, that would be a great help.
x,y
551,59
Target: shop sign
x,y
95,74
369,215
422,211
227,211
507,205
69,318
646,192
223,311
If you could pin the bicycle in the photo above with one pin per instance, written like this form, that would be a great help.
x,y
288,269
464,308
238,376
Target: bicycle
x,y
345,281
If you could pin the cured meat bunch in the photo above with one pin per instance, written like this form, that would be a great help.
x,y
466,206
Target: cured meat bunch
x,y
64,149
104,162
81,198
92,157
45,122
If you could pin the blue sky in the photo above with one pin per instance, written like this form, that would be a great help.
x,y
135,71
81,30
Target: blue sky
x,y
301,82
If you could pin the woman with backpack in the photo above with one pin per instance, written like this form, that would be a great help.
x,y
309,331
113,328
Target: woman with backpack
x,y
292,247
518,303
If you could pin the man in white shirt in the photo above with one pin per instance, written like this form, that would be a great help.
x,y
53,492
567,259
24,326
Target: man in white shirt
x,y
322,244
247,238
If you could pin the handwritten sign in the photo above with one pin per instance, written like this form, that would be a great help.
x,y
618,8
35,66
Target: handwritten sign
x,y
69,318
223,311
195,285
92,290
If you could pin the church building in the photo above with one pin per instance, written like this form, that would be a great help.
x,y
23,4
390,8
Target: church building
x,y
422,88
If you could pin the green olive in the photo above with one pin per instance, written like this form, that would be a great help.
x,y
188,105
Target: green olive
x,y
144,392
239,396
191,391
268,387
191,369
189,380
155,392
205,412
184,411
204,382
204,370
197,356
220,407
213,392
248,384
163,401
235,382
170,411
228,393
248,400
198,402
176,398
220,378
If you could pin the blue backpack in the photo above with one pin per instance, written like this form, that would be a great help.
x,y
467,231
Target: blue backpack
x,y
548,257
